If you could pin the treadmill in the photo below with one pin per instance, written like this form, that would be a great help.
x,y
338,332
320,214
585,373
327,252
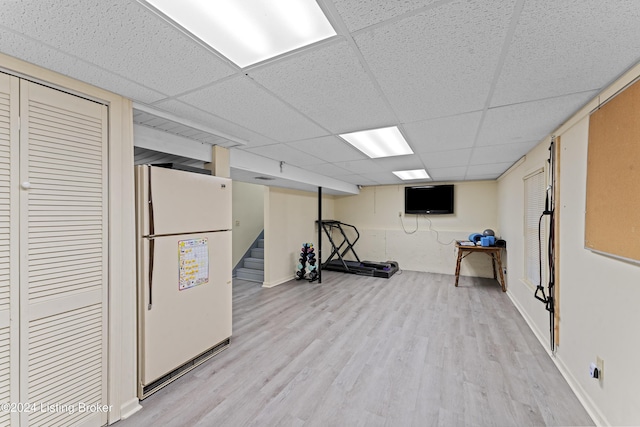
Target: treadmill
x,y
337,261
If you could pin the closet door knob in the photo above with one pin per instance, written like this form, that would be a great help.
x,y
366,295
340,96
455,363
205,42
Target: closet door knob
x,y
26,185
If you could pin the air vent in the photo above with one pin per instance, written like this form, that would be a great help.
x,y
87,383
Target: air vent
x,y
264,178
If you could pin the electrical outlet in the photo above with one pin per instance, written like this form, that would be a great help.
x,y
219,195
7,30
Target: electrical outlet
x,y
593,370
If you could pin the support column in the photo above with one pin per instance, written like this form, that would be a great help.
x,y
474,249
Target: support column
x,y
219,165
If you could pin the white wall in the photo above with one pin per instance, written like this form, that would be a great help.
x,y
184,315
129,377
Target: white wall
x,y
248,217
387,236
289,220
599,295
511,222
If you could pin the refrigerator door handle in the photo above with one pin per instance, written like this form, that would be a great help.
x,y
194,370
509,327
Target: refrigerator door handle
x,y
152,230
151,233
151,254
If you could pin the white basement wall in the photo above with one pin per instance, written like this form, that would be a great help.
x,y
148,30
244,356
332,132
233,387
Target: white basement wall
x,y
599,295
289,221
385,235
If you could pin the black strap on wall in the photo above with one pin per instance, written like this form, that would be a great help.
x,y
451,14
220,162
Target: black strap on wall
x,y
549,210
319,253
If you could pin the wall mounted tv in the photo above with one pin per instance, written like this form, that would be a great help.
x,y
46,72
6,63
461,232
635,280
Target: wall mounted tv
x,y
428,199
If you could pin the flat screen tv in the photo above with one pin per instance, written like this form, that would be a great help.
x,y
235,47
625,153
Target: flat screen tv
x,y
428,199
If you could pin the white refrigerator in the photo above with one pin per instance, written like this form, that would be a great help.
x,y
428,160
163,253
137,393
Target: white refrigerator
x,y
183,223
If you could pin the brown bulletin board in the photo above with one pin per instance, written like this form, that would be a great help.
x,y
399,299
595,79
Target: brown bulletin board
x,y
612,223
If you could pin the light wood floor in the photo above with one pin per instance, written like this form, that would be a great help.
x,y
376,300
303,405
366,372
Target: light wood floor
x,y
412,350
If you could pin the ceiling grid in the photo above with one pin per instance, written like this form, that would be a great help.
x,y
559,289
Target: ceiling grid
x,y
473,85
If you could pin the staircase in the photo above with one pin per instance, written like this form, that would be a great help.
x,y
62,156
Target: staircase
x,y
253,265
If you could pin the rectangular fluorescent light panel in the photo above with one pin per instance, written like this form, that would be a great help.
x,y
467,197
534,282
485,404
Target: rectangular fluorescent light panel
x,y
383,142
413,174
250,31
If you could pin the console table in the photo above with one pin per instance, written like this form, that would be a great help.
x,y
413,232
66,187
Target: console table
x,y
493,251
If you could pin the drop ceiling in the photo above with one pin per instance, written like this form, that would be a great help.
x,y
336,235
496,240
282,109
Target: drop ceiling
x,y
473,85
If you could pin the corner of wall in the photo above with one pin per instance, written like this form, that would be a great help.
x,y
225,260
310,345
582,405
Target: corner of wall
x,y
274,283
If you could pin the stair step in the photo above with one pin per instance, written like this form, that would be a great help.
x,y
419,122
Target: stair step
x,y
261,243
250,274
257,253
254,263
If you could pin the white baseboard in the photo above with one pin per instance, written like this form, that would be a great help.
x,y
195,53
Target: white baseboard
x,y
584,398
273,283
588,404
129,408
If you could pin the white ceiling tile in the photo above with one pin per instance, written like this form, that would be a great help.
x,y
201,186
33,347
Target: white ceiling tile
x,y
494,169
363,13
433,60
501,153
328,169
562,47
243,102
329,149
40,54
330,86
528,121
408,162
120,36
448,174
447,133
284,153
482,177
357,180
439,62
446,159
358,166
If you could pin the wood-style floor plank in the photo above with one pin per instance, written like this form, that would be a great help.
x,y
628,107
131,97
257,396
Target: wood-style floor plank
x,y
412,350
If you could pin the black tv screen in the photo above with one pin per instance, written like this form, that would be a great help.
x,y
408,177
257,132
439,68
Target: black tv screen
x,y
428,199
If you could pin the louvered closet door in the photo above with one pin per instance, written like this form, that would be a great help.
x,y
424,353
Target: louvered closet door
x,y
9,286
63,248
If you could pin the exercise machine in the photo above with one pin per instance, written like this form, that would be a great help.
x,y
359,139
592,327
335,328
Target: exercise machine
x,y
336,262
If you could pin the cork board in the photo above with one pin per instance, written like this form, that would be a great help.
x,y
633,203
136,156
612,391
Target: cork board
x,y
612,222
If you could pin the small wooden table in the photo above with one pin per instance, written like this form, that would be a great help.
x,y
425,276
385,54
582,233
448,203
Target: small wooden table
x,y
493,251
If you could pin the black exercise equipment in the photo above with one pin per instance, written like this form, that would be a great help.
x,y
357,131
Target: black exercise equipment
x,y
364,268
307,261
549,210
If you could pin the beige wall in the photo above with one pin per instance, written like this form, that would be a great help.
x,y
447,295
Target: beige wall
x,y
248,217
384,235
598,302
289,220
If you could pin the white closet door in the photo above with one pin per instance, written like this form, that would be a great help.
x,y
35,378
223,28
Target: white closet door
x,y
63,264
9,286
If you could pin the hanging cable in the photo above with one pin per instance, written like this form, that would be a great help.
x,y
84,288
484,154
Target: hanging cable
x,y
429,228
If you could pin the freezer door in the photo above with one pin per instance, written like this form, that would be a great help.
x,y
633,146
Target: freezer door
x,y
190,297
181,202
